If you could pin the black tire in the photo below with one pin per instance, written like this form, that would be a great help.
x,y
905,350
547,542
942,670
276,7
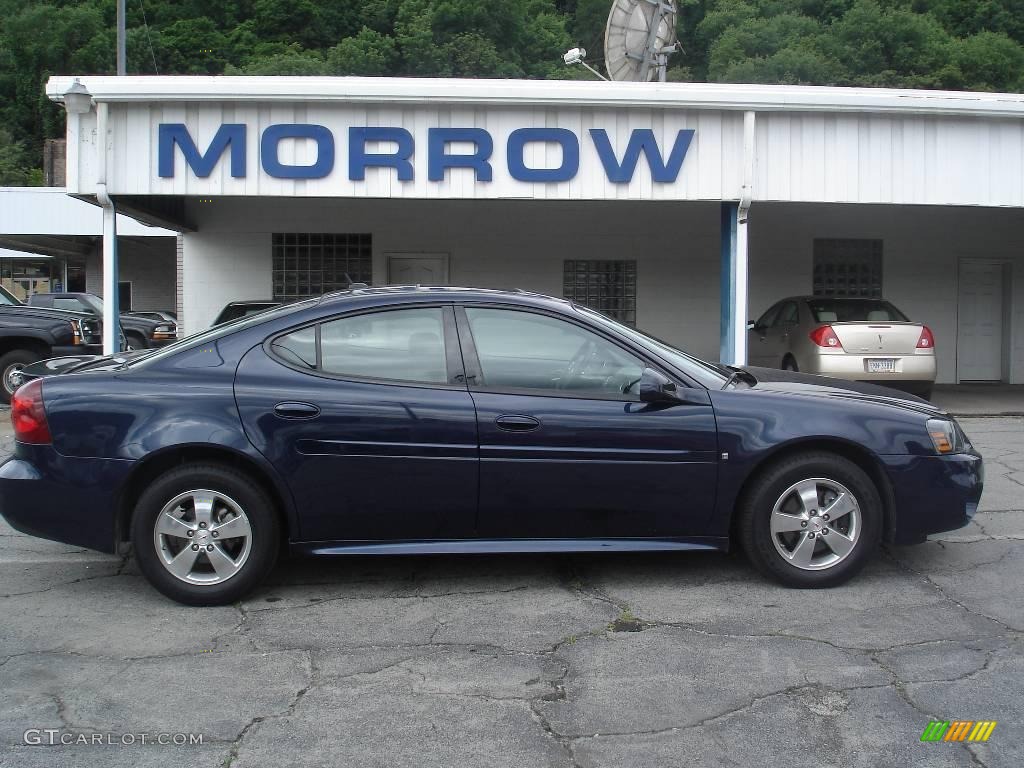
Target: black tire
x,y
258,508
13,361
789,364
924,392
756,508
136,341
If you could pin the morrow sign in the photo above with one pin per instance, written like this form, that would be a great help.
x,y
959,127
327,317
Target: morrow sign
x,y
364,145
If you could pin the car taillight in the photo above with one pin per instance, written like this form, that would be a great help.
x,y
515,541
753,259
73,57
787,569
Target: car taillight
x,y
826,337
29,416
927,341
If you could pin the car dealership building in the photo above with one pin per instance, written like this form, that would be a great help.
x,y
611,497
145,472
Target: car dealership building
x,y
684,209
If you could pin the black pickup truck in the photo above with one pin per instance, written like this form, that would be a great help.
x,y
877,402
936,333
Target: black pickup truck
x,y
139,332
28,334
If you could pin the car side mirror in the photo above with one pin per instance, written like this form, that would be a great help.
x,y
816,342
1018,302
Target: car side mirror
x,y
657,388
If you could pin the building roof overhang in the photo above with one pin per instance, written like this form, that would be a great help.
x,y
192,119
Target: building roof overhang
x,y
399,90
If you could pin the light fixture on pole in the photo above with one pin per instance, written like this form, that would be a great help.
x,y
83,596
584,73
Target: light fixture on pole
x,y
578,56
77,100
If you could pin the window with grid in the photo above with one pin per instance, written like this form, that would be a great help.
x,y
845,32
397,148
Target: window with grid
x,y
308,264
848,267
604,285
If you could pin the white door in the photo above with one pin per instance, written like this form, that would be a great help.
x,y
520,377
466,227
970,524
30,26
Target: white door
x,y
418,269
979,346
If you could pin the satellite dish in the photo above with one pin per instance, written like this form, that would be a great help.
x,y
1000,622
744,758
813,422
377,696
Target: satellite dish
x,y
638,39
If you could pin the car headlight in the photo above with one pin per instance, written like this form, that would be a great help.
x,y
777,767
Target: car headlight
x,y
165,332
946,436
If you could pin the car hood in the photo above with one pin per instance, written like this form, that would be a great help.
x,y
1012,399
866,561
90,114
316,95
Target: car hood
x,y
790,382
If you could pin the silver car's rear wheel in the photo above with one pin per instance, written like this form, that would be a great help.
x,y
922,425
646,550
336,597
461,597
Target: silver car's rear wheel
x,y
202,537
815,524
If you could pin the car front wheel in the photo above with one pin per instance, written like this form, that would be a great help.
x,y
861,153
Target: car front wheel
x,y
811,520
205,534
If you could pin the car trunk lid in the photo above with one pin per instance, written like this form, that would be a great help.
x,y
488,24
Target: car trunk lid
x,y
885,338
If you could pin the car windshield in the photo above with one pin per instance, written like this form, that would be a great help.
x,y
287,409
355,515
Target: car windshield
x,y
219,331
7,298
708,374
855,311
95,303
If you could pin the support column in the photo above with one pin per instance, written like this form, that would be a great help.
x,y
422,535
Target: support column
x,y
727,329
733,326
111,296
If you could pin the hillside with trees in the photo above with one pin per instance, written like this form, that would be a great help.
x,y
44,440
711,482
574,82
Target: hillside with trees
x,y
949,44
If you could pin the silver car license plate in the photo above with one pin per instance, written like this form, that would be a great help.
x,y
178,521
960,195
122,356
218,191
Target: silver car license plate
x,y
881,366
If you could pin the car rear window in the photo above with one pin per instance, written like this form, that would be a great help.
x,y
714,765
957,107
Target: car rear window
x,y
854,311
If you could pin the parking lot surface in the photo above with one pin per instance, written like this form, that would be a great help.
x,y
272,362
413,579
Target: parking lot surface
x,y
611,660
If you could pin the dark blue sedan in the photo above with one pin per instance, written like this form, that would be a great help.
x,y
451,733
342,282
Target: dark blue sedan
x,y
442,420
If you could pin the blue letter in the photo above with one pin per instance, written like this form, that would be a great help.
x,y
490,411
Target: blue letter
x,y
642,140
359,160
438,159
201,165
324,151
518,140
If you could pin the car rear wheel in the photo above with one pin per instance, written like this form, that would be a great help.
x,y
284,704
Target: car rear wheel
x,y
811,521
205,534
12,364
789,364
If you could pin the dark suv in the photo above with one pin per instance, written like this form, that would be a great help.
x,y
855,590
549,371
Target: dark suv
x,y
139,332
29,334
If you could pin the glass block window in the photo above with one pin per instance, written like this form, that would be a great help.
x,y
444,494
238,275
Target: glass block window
x,y
606,286
848,267
308,265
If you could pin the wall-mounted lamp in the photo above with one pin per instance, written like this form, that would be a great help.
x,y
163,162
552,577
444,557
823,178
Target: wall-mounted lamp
x,y
77,100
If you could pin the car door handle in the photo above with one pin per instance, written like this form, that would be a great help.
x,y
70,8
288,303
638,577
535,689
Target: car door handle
x,y
296,410
517,423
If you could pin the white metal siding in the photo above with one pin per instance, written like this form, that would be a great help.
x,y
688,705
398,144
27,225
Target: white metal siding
x,y
868,158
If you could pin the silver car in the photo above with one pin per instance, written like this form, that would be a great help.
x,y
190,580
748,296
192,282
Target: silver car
x,y
850,338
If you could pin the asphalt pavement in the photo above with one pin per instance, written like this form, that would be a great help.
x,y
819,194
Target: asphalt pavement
x,y
604,660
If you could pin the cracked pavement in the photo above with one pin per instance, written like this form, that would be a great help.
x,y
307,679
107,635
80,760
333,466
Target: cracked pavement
x,y
577,661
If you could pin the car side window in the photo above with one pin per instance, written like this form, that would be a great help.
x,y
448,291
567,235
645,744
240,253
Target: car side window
x,y
524,350
788,315
402,345
768,318
73,304
298,348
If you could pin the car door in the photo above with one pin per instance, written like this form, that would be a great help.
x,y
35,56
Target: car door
x,y
567,450
367,418
757,337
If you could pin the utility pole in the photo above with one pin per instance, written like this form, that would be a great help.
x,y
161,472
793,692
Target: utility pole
x,y
122,68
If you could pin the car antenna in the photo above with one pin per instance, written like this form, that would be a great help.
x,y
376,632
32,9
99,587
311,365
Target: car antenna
x,y
353,285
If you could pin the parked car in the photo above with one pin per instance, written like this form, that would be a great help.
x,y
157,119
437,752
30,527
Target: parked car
x,y
237,309
160,315
139,332
859,339
30,334
432,420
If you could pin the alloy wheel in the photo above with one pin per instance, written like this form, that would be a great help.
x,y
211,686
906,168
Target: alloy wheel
x,y
202,537
815,524
12,377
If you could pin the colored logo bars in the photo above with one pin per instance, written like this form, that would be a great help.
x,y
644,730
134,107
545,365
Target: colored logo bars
x,y
958,730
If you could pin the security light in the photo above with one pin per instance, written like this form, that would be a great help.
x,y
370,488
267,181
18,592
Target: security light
x,y
578,56
77,100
